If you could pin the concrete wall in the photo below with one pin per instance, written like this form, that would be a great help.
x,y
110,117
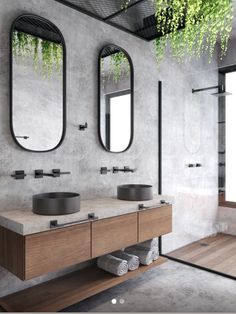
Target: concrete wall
x,y
81,153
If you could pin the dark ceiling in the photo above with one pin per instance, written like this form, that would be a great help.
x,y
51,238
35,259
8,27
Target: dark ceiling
x,y
138,18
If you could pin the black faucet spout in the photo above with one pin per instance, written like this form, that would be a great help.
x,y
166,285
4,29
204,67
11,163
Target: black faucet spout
x,y
125,169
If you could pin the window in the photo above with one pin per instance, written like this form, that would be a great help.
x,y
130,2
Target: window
x,y
118,120
230,138
227,140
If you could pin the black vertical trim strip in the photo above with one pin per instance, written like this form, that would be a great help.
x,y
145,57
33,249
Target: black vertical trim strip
x,y
159,137
160,148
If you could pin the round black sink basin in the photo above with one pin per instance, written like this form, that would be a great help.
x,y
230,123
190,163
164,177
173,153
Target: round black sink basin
x,y
56,203
135,192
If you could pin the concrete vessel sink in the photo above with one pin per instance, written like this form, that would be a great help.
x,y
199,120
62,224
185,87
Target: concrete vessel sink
x,y
135,192
61,203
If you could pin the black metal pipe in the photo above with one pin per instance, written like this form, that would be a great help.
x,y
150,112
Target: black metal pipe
x,y
160,149
206,88
159,137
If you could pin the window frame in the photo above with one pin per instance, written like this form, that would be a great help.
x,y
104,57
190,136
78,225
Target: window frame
x,y
221,129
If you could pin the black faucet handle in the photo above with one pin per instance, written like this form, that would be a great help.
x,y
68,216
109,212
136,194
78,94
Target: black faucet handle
x,y
19,174
38,174
56,173
104,170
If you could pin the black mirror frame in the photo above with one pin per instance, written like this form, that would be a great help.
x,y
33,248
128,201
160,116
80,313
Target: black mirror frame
x,y
132,98
63,78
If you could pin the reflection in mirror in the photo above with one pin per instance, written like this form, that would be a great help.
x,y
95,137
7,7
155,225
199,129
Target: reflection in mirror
x,y
115,99
37,84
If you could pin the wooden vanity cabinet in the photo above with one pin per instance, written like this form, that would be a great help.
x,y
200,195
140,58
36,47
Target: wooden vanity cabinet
x,y
113,234
36,254
154,222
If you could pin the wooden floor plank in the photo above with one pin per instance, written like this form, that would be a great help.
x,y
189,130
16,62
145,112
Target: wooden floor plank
x,y
194,248
213,251
217,253
59,293
228,267
220,255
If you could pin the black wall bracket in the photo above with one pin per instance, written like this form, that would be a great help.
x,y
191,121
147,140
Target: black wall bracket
x,y
82,127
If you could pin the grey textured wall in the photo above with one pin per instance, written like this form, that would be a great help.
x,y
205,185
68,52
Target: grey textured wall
x,y
81,152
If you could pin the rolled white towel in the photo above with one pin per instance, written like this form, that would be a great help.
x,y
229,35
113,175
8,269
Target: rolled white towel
x,y
132,260
113,265
155,253
153,243
145,256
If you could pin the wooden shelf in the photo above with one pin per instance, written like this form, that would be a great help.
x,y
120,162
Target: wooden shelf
x,y
59,293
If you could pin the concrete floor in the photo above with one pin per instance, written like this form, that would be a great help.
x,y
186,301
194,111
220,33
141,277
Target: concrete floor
x,y
172,287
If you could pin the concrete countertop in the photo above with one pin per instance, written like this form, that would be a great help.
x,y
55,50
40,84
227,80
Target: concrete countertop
x,y
25,222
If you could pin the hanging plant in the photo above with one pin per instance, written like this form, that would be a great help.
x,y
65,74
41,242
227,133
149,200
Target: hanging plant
x,y
46,55
118,67
125,4
191,28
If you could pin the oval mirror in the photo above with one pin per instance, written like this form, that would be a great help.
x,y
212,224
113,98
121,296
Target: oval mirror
x,y
38,84
115,108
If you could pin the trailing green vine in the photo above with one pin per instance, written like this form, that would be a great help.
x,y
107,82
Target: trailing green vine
x,y
191,28
125,4
46,55
119,67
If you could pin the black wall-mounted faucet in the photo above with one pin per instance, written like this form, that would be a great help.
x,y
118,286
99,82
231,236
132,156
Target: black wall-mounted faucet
x,y
55,173
197,165
125,169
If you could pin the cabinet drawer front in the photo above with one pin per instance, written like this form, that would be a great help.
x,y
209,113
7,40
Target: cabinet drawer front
x,y
112,234
154,222
56,249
